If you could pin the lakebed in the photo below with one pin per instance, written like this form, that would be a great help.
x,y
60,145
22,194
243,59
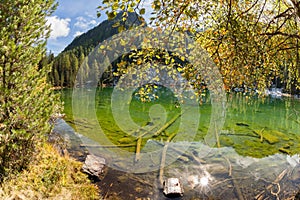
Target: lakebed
x,y
258,154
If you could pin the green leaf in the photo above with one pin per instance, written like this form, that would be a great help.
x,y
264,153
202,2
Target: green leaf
x,y
111,15
142,11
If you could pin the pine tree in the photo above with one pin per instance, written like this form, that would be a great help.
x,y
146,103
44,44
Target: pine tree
x,y
26,101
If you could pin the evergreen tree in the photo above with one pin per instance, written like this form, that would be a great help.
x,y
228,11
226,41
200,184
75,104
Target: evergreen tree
x,y
26,101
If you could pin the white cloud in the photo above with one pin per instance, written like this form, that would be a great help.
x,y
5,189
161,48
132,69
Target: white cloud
x,y
83,23
59,27
78,33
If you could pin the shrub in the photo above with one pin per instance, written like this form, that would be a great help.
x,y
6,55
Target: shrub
x,y
50,176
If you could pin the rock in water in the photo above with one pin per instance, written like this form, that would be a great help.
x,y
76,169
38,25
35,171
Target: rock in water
x,y
173,188
93,165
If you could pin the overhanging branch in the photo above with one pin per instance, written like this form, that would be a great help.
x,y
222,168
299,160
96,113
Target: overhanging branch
x,y
282,34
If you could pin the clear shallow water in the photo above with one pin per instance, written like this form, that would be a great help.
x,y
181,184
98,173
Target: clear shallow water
x,y
253,127
259,141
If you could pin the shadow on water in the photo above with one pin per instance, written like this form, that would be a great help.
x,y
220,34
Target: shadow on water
x,y
258,159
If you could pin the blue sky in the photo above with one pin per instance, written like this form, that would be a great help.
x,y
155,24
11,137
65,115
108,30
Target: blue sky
x,y
74,17
71,18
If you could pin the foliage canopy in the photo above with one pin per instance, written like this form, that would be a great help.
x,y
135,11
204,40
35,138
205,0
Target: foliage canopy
x,y
254,43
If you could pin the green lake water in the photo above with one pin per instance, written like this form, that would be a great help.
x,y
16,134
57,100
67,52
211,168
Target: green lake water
x,y
253,126
258,156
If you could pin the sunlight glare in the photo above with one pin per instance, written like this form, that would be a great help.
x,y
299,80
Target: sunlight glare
x,y
204,181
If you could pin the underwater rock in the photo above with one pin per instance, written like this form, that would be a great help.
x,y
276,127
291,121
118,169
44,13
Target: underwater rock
x,y
93,165
173,188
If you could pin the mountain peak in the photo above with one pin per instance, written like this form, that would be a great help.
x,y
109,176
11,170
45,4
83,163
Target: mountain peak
x,y
104,30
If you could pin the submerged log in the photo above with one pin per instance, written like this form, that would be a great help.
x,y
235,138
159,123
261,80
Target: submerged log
x,y
169,123
138,149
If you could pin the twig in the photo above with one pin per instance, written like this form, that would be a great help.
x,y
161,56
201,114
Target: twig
x,y
275,182
138,149
237,189
162,164
234,183
229,166
228,179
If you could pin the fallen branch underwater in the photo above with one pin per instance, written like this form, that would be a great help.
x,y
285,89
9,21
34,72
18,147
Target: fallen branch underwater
x,y
107,146
169,123
158,132
260,196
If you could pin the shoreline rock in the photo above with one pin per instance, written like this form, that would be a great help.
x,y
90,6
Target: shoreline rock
x,y
94,165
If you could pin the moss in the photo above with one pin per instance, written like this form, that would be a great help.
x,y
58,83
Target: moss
x,y
50,177
226,141
281,135
255,149
125,140
270,138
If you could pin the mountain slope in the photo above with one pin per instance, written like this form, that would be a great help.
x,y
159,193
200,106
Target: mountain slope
x,y
103,31
67,63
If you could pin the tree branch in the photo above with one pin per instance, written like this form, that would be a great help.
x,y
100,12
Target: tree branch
x,y
282,34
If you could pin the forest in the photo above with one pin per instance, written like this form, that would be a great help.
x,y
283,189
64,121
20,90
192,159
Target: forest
x,y
255,44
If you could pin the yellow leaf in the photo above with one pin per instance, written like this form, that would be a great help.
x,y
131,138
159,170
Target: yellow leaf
x,y
123,42
179,69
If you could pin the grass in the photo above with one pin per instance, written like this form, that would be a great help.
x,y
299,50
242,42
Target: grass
x,y
50,176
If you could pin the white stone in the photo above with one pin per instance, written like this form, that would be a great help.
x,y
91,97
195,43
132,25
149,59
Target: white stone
x,y
173,187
